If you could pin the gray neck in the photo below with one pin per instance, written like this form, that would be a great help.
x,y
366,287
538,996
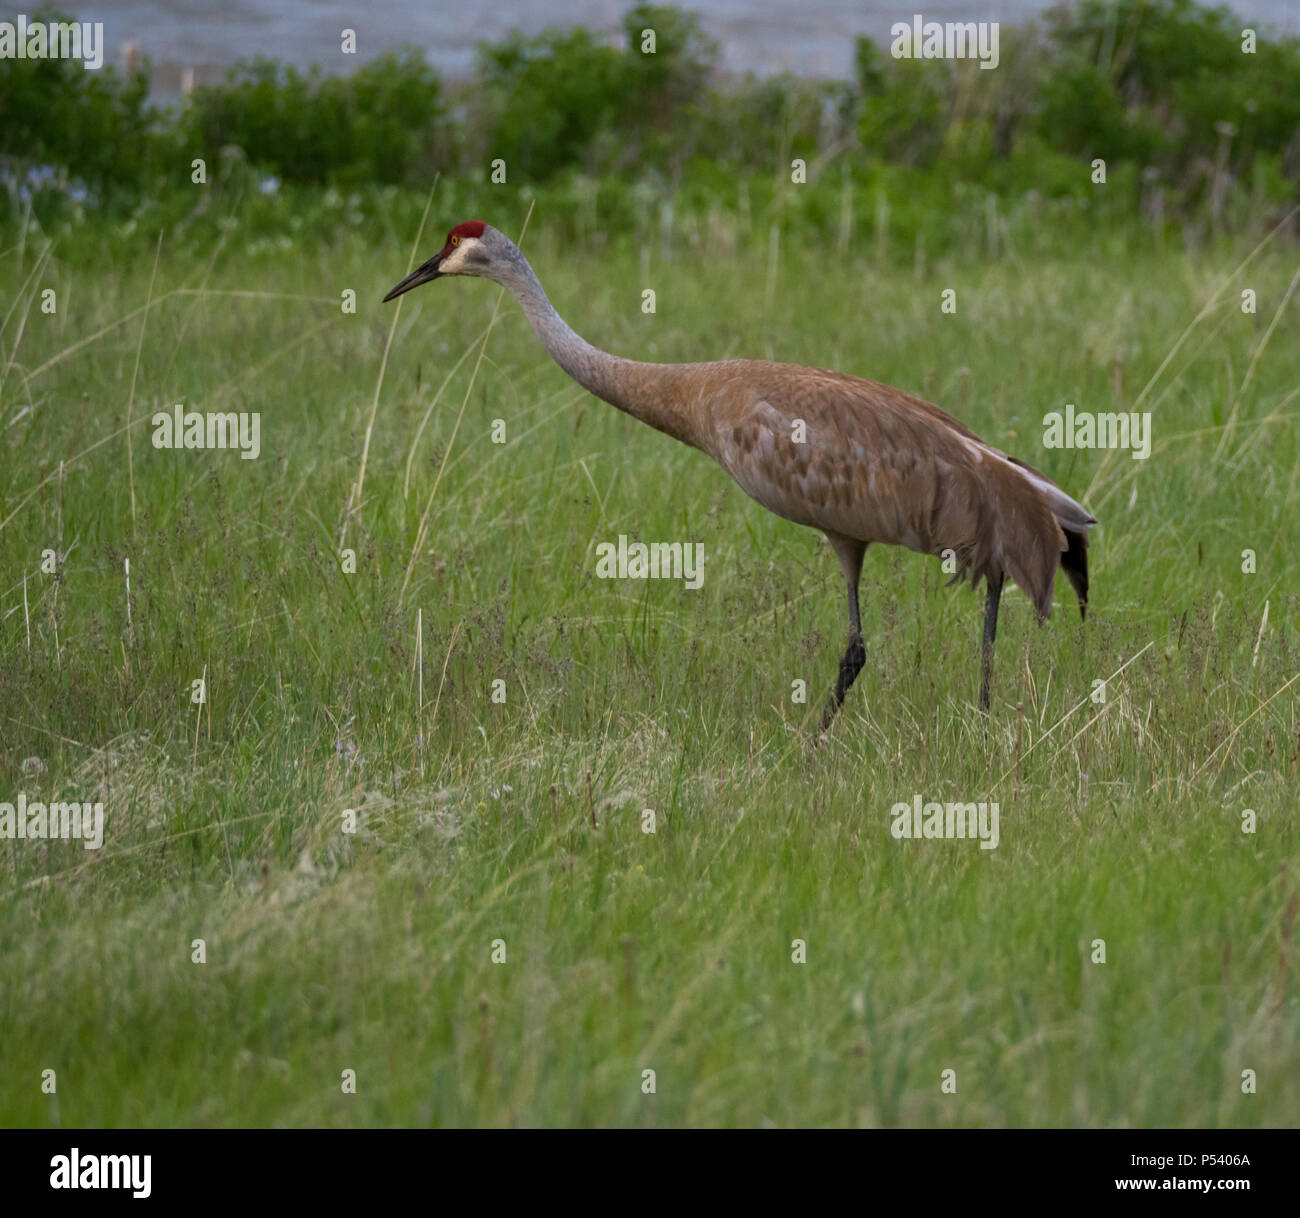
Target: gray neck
x,y
595,370
648,392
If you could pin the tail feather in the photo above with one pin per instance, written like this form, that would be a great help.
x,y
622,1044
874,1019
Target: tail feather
x,y
1074,562
1003,518
1075,521
1041,528
1009,530
1072,516
1033,542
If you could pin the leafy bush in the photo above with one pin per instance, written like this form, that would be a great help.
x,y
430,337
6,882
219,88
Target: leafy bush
x,y
381,124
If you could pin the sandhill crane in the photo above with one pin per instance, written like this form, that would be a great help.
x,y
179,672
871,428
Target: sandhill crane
x,y
858,460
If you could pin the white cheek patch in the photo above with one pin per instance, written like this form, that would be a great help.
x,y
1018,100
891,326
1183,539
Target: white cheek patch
x,y
454,263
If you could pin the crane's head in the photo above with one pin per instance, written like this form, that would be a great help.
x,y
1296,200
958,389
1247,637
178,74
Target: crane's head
x,y
469,251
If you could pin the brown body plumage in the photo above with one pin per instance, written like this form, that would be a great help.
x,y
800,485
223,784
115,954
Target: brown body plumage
x,y
861,461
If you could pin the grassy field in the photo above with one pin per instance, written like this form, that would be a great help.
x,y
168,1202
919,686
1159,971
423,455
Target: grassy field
x,y
522,821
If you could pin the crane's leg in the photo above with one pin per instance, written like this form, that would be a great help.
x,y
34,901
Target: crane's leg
x,y
990,633
850,552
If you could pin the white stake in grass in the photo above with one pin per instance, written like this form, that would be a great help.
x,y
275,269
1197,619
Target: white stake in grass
x,y
130,629
1263,621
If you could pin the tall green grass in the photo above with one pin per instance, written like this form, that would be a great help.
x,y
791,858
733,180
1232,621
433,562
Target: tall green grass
x,y
626,951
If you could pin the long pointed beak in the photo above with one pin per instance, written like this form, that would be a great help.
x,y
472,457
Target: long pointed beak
x,y
421,274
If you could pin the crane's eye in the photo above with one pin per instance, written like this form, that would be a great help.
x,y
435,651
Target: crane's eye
x,y
455,240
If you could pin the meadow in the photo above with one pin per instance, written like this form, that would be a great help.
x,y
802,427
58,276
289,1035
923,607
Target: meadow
x,y
514,828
